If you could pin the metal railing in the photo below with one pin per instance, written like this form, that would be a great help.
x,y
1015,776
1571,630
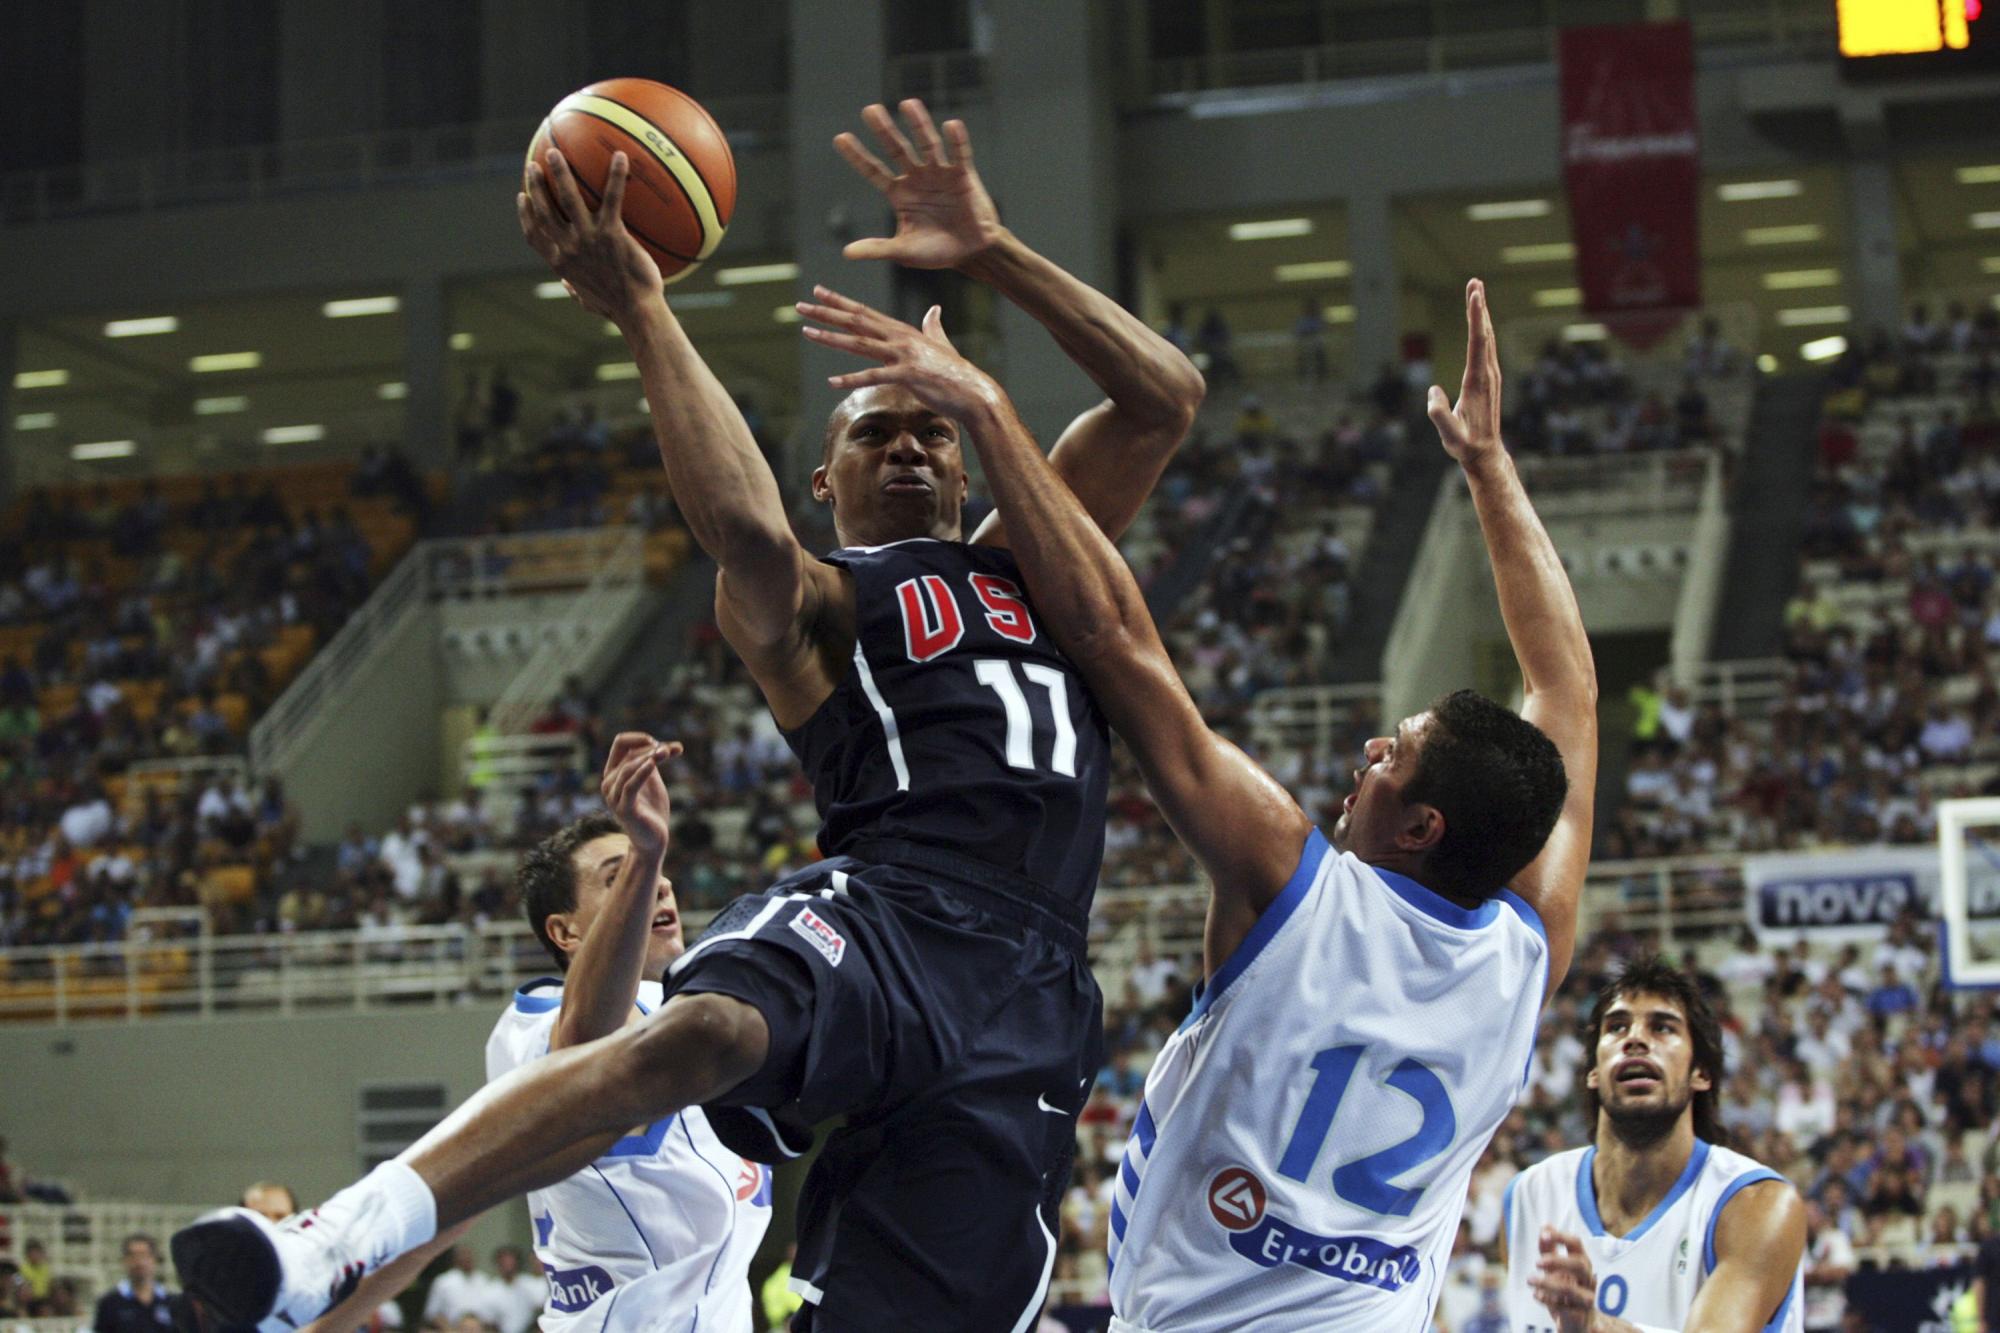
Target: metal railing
x,y
1312,716
1776,29
302,709
200,977
85,1242
601,611
944,79
390,157
1605,485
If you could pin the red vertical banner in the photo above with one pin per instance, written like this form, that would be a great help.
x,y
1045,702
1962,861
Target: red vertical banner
x,y
1632,165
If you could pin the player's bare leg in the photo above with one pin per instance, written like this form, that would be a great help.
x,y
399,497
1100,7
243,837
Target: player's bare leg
x,y
532,1128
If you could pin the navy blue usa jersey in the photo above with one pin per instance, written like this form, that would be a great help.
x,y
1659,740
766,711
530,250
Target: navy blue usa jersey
x,y
960,727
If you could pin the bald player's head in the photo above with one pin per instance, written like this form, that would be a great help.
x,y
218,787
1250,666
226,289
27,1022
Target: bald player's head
x,y
273,1200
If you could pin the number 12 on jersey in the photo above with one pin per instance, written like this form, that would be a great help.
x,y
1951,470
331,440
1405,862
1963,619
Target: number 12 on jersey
x,y
1364,1182
997,675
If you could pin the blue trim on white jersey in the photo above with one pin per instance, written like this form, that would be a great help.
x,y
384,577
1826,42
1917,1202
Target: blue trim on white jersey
x,y
1586,1191
643,1238
1145,1128
525,1002
1754,1176
1267,925
1436,905
723,1248
1525,912
1507,1207
646,1143
1117,1220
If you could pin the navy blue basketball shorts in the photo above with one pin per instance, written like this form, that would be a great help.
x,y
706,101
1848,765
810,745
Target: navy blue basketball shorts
x,y
956,1025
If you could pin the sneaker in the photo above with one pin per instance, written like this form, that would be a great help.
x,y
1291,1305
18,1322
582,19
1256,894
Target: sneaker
x,y
243,1272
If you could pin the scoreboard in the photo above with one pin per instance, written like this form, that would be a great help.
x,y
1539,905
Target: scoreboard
x,y
1916,36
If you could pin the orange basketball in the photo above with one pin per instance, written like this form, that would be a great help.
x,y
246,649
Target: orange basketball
x,y
682,189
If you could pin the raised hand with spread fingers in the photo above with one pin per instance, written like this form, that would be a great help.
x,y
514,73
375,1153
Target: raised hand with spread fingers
x,y
944,216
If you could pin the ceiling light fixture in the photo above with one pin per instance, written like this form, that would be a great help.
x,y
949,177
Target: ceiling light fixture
x,y
1744,191
392,391
1545,253
1314,271
618,370
1586,333
1803,316
745,274
1823,349
1507,209
1559,296
40,379
34,421
361,305
139,328
1986,175
215,407
103,449
1270,229
293,434
218,361
1796,279
1789,235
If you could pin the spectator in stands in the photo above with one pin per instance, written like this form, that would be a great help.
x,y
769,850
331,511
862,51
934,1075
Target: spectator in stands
x,y
1214,340
1891,996
273,1200
12,1184
1309,338
34,1279
521,1294
1829,1261
1708,352
463,1291
140,1303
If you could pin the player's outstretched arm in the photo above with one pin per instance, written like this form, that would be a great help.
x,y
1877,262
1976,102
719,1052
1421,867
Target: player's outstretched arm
x,y
1543,624
723,486
1112,455
601,986
1239,823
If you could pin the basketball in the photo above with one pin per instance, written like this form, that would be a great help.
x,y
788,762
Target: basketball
x,y
682,189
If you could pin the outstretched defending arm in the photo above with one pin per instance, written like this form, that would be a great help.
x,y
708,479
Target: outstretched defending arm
x,y
1238,822
720,481
1113,454
601,987
1543,625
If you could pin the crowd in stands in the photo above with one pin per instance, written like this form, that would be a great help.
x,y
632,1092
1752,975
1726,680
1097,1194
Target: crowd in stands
x,y
155,627
1888,701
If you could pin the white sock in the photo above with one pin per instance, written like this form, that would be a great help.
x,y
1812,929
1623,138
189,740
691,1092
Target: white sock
x,y
388,1213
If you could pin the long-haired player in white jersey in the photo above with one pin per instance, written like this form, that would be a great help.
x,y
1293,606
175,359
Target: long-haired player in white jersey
x,y
1305,1140
1656,1225
657,1232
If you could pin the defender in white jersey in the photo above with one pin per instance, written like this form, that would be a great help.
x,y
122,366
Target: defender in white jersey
x,y
1656,1225
1302,1152
657,1230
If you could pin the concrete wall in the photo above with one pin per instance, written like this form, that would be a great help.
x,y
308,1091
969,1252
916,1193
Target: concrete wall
x,y
191,1112
367,763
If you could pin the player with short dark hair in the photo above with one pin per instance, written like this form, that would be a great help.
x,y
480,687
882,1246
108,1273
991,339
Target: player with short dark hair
x,y
928,980
1301,1154
1657,1224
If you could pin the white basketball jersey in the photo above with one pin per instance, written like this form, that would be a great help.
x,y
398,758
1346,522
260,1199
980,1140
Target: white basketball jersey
x,y
658,1233
1651,1274
1303,1148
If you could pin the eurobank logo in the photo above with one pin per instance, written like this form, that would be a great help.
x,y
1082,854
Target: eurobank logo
x,y
573,1289
1239,1203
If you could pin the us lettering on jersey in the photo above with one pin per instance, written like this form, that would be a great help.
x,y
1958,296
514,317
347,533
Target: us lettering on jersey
x,y
933,624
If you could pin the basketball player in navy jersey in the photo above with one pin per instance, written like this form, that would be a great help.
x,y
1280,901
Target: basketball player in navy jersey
x,y
1301,1154
928,979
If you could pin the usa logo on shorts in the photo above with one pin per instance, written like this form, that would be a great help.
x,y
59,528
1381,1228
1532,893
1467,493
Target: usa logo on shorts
x,y
815,931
